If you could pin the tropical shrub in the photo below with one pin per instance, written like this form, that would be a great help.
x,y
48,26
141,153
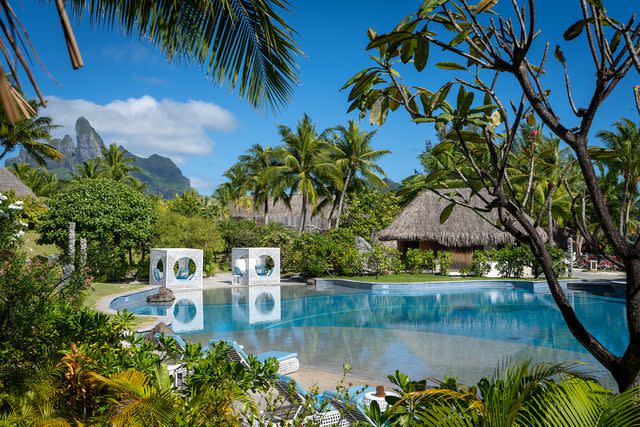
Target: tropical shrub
x,y
417,260
239,233
481,262
279,236
443,262
174,230
517,393
12,222
332,253
107,213
382,259
369,211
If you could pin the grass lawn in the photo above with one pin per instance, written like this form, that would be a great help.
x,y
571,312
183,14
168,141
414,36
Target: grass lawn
x,y
34,249
101,290
410,278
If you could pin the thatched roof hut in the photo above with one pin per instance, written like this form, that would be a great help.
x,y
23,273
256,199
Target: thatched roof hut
x,y
420,220
418,226
9,182
290,216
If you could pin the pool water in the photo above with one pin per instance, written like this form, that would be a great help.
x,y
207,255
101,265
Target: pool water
x,y
446,329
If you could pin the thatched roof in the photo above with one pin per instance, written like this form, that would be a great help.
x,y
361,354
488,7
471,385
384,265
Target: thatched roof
x,y
9,182
420,220
280,213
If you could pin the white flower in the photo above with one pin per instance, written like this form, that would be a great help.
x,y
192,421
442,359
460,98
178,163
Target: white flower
x,y
22,223
15,206
3,197
20,234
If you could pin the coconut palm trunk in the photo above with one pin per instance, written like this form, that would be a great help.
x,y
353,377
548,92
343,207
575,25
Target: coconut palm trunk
x,y
266,211
623,206
303,220
342,194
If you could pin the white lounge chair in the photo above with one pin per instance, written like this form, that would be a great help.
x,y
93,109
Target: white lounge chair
x,y
287,362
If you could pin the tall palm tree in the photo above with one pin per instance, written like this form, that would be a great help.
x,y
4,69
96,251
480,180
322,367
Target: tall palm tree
x,y
242,44
354,156
30,134
257,162
42,182
89,169
623,157
304,164
117,166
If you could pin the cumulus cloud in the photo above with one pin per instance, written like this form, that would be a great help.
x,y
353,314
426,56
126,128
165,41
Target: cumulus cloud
x,y
203,185
145,125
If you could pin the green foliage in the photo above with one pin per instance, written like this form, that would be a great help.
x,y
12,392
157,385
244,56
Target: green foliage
x,y
518,393
511,260
481,263
276,235
382,259
41,181
418,260
369,211
174,230
113,217
333,253
443,262
239,233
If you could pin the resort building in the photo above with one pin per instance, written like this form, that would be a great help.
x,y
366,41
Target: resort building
x,y
291,215
9,182
418,226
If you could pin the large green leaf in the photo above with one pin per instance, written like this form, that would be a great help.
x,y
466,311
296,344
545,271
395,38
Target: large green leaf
x,y
421,55
243,44
446,212
450,66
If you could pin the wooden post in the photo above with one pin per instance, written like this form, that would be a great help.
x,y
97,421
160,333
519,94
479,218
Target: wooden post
x,y
72,242
570,253
83,252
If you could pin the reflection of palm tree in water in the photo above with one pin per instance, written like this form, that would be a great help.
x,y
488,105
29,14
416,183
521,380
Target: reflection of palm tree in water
x,y
184,311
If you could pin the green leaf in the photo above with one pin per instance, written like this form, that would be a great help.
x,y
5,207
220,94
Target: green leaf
x,y
597,3
450,66
575,29
442,147
560,56
446,212
615,41
531,119
428,6
422,54
462,36
485,5
355,77
388,38
408,47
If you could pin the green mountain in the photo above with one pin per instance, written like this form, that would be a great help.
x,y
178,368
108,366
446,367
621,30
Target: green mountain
x,y
161,174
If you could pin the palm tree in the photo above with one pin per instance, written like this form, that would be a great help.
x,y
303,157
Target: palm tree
x,y
304,164
354,156
516,394
117,166
242,44
29,133
256,163
622,156
89,169
42,182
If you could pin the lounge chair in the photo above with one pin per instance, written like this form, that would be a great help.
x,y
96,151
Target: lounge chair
x,y
351,406
296,397
287,362
157,274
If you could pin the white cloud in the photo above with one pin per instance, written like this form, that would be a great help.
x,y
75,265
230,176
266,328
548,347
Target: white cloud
x,y
203,185
145,125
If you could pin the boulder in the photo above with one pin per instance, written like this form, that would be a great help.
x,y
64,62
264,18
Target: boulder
x,y
311,281
362,245
163,295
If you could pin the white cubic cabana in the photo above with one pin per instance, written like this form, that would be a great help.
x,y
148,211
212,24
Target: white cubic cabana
x,y
176,268
255,266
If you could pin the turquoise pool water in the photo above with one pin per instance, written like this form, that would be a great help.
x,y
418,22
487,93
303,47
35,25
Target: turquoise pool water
x,y
436,330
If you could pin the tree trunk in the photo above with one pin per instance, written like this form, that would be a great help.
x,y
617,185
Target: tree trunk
x,y
623,205
130,256
627,215
341,202
266,211
626,374
303,220
550,224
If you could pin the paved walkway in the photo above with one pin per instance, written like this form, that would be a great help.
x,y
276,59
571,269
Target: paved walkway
x,y
598,275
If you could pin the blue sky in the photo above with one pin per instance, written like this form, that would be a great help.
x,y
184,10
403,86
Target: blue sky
x,y
135,98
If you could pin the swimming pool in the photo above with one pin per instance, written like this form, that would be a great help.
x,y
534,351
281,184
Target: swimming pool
x,y
423,330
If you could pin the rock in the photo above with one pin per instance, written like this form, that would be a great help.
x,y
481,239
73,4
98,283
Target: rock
x,y
163,295
311,281
362,245
90,144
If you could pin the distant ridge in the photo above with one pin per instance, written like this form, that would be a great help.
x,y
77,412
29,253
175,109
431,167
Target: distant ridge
x,y
161,174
